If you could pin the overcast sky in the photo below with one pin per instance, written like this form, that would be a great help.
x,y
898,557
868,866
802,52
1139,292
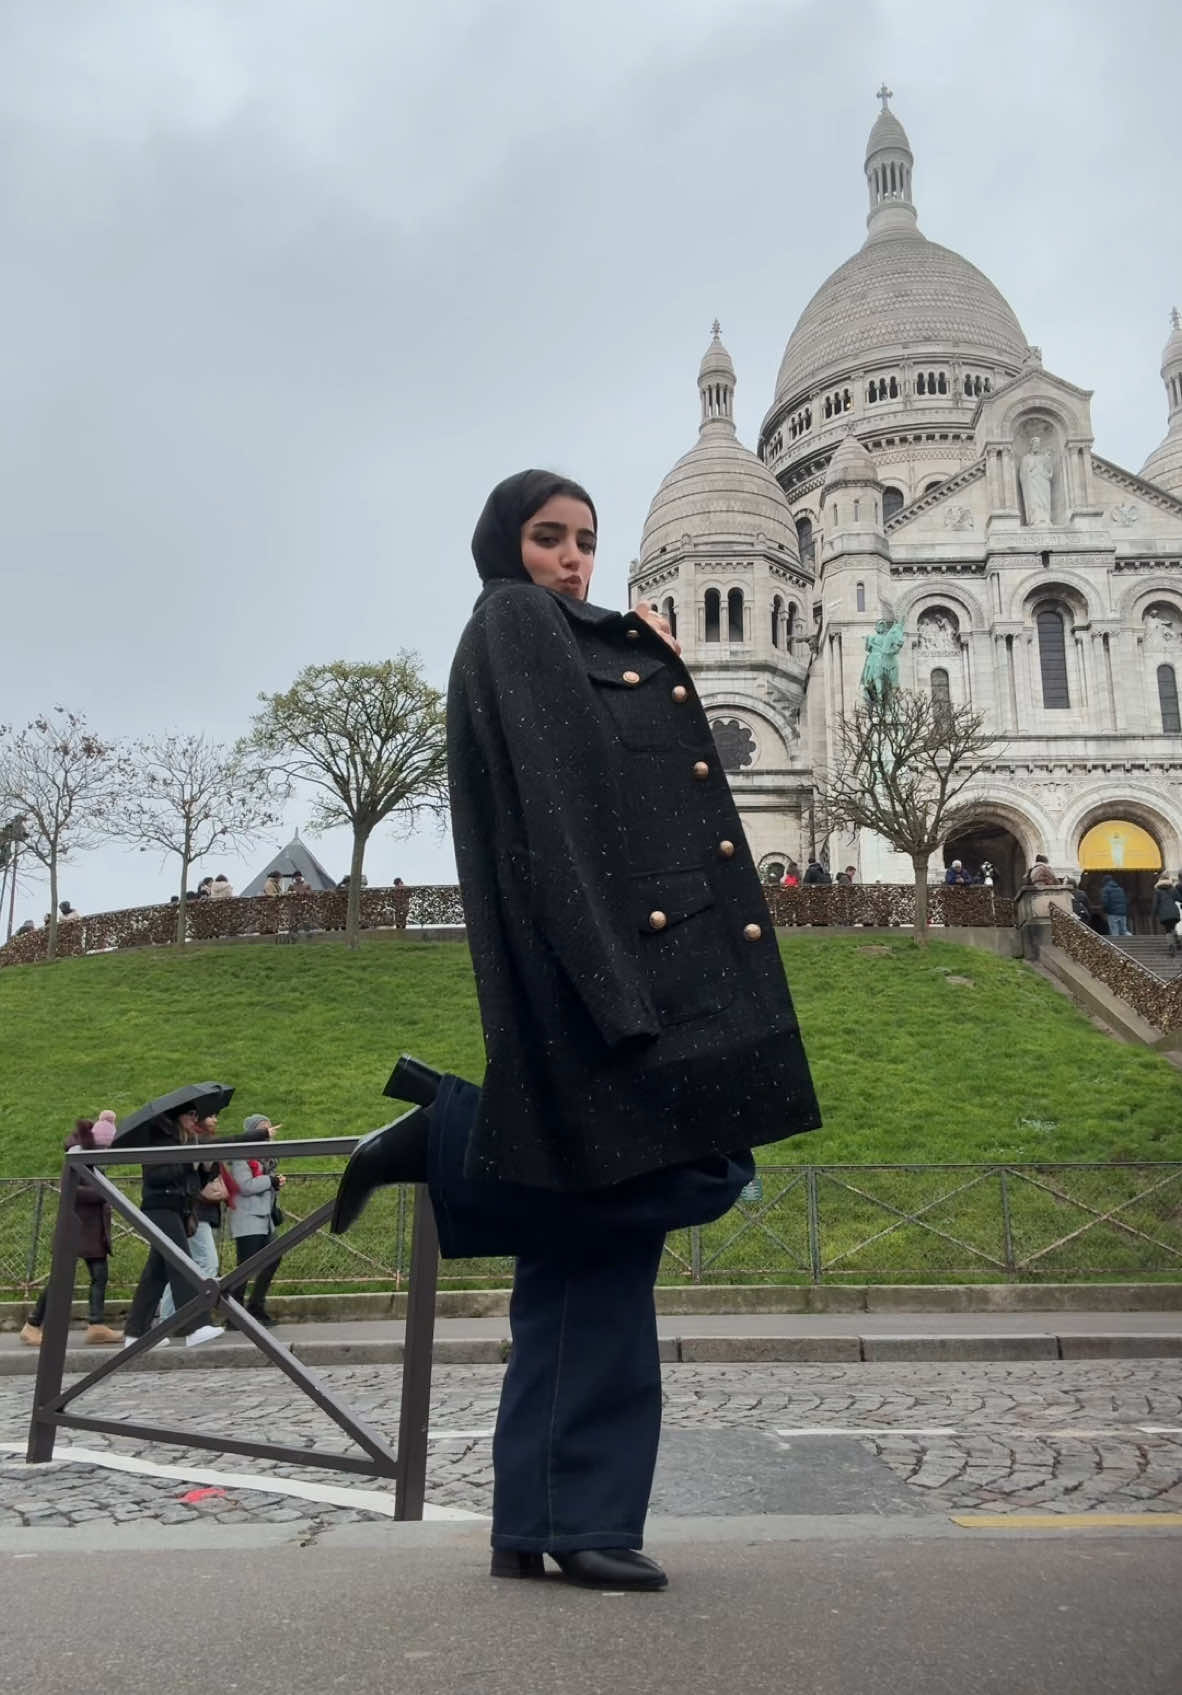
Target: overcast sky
x,y
287,286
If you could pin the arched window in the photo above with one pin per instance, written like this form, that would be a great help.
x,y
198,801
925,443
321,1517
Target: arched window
x,y
968,385
942,384
1052,658
735,743
1167,695
669,611
804,539
777,614
941,698
935,483
791,632
921,385
872,393
734,615
861,594
892,502
713,615
894,389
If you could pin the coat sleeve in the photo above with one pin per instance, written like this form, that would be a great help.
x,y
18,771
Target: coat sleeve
x,y
535,686
247,1183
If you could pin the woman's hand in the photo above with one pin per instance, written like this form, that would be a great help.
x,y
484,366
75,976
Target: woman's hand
x,y
281,1179
661,625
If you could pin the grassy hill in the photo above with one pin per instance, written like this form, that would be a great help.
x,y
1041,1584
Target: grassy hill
x,y
911,1064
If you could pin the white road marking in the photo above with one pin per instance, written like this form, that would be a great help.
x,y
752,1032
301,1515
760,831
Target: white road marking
x,y
868,1430
330,1494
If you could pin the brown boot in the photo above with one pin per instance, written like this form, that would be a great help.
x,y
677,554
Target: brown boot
x,y
101,1335
31,1333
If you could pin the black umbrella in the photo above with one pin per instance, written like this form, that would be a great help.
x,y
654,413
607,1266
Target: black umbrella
x,y
201,1098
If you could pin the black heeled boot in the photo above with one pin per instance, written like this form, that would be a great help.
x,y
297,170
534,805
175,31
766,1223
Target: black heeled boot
x,y
397,1153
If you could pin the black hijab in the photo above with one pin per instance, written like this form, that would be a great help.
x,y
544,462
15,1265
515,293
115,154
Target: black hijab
x,y
496,540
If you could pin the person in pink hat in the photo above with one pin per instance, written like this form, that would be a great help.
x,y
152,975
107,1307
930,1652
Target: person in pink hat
x,y
94,1241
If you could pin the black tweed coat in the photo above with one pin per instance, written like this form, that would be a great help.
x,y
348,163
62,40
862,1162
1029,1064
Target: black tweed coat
x,y
634,1005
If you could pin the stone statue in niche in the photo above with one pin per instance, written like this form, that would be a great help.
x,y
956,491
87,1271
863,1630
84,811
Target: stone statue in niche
x,y
937,632
1036,473
1161,626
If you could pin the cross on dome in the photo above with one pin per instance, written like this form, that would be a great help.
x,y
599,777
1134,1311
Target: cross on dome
x,y
1176,319
885,94
716,328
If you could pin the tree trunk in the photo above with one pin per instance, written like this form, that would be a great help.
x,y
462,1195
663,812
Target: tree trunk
x,y
182,916
353,908
51,938
919,862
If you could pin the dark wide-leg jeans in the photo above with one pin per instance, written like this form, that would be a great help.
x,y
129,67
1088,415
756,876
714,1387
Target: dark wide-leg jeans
x,y
580,1414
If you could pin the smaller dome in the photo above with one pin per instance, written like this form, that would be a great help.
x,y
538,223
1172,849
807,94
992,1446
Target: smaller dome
x,y
887,132
716,361
850,464
1172,351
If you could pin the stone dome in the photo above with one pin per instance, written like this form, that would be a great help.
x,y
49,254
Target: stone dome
x,y
719,493
1164,465
850,464
898,294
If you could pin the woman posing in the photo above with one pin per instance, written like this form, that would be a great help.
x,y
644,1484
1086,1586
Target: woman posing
x,y
639,1034
206,1215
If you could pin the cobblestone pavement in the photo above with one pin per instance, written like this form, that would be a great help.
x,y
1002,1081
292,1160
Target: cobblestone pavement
x,y
1066,1437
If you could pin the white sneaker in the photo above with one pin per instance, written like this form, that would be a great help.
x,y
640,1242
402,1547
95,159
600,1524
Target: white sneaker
x,y
128,1340
207,1333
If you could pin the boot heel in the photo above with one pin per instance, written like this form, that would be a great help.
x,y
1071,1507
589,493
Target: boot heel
x,y
511,1562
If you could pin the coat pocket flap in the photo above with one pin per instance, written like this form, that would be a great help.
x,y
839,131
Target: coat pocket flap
x,y
664,898
628,671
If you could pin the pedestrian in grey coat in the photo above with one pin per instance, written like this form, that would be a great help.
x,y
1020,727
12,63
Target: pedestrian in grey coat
x,y
252,1207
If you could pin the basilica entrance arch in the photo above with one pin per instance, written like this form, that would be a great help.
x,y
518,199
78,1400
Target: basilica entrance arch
x,y
1126,850
987,842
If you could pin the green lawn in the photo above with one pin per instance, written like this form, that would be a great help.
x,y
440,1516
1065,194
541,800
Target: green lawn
x,y
909,1066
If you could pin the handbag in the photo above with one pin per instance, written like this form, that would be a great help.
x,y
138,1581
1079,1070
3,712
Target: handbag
x,y
276,1215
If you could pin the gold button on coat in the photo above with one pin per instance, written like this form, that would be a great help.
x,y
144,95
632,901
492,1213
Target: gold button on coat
x,y
631,678
680,693
727,849
657,921
701,769
633,635
752,932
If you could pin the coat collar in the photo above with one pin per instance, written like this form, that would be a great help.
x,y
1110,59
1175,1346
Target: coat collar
x,y
578,611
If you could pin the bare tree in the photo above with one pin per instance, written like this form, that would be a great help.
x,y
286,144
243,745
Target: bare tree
x,y
370,738
59,777
900,767
187,796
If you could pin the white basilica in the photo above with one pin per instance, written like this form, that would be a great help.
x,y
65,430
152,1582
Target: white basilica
x,y
917,459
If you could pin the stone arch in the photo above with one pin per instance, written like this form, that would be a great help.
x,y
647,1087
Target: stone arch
x,y
1037,407
1026,821
773,741
1135,801
1139,597
1081,596
972,613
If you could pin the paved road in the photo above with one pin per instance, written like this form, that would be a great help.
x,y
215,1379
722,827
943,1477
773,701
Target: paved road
x,y
896,1441
776,1606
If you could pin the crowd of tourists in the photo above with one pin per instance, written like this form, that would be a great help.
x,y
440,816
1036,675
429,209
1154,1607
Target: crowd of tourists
x,y
192,1205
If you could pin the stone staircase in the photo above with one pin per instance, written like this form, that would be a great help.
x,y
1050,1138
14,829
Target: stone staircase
x,y
1151,952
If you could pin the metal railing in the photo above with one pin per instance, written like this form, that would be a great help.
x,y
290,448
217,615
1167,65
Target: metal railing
x,y
1032,1222
1157,1000
51,1403
438,907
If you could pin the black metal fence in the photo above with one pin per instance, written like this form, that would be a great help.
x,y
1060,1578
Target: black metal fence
x,y
795,1224
54,1405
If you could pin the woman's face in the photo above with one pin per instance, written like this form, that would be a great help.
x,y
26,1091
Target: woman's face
x,y
207,1128
558,546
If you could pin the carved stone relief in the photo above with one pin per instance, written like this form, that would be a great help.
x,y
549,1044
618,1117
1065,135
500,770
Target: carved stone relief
x,y
937,631
1125,515
1163,625
958,518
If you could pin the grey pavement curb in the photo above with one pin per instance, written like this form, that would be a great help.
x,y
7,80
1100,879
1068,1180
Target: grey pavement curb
x,y
687,1350
733,1299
